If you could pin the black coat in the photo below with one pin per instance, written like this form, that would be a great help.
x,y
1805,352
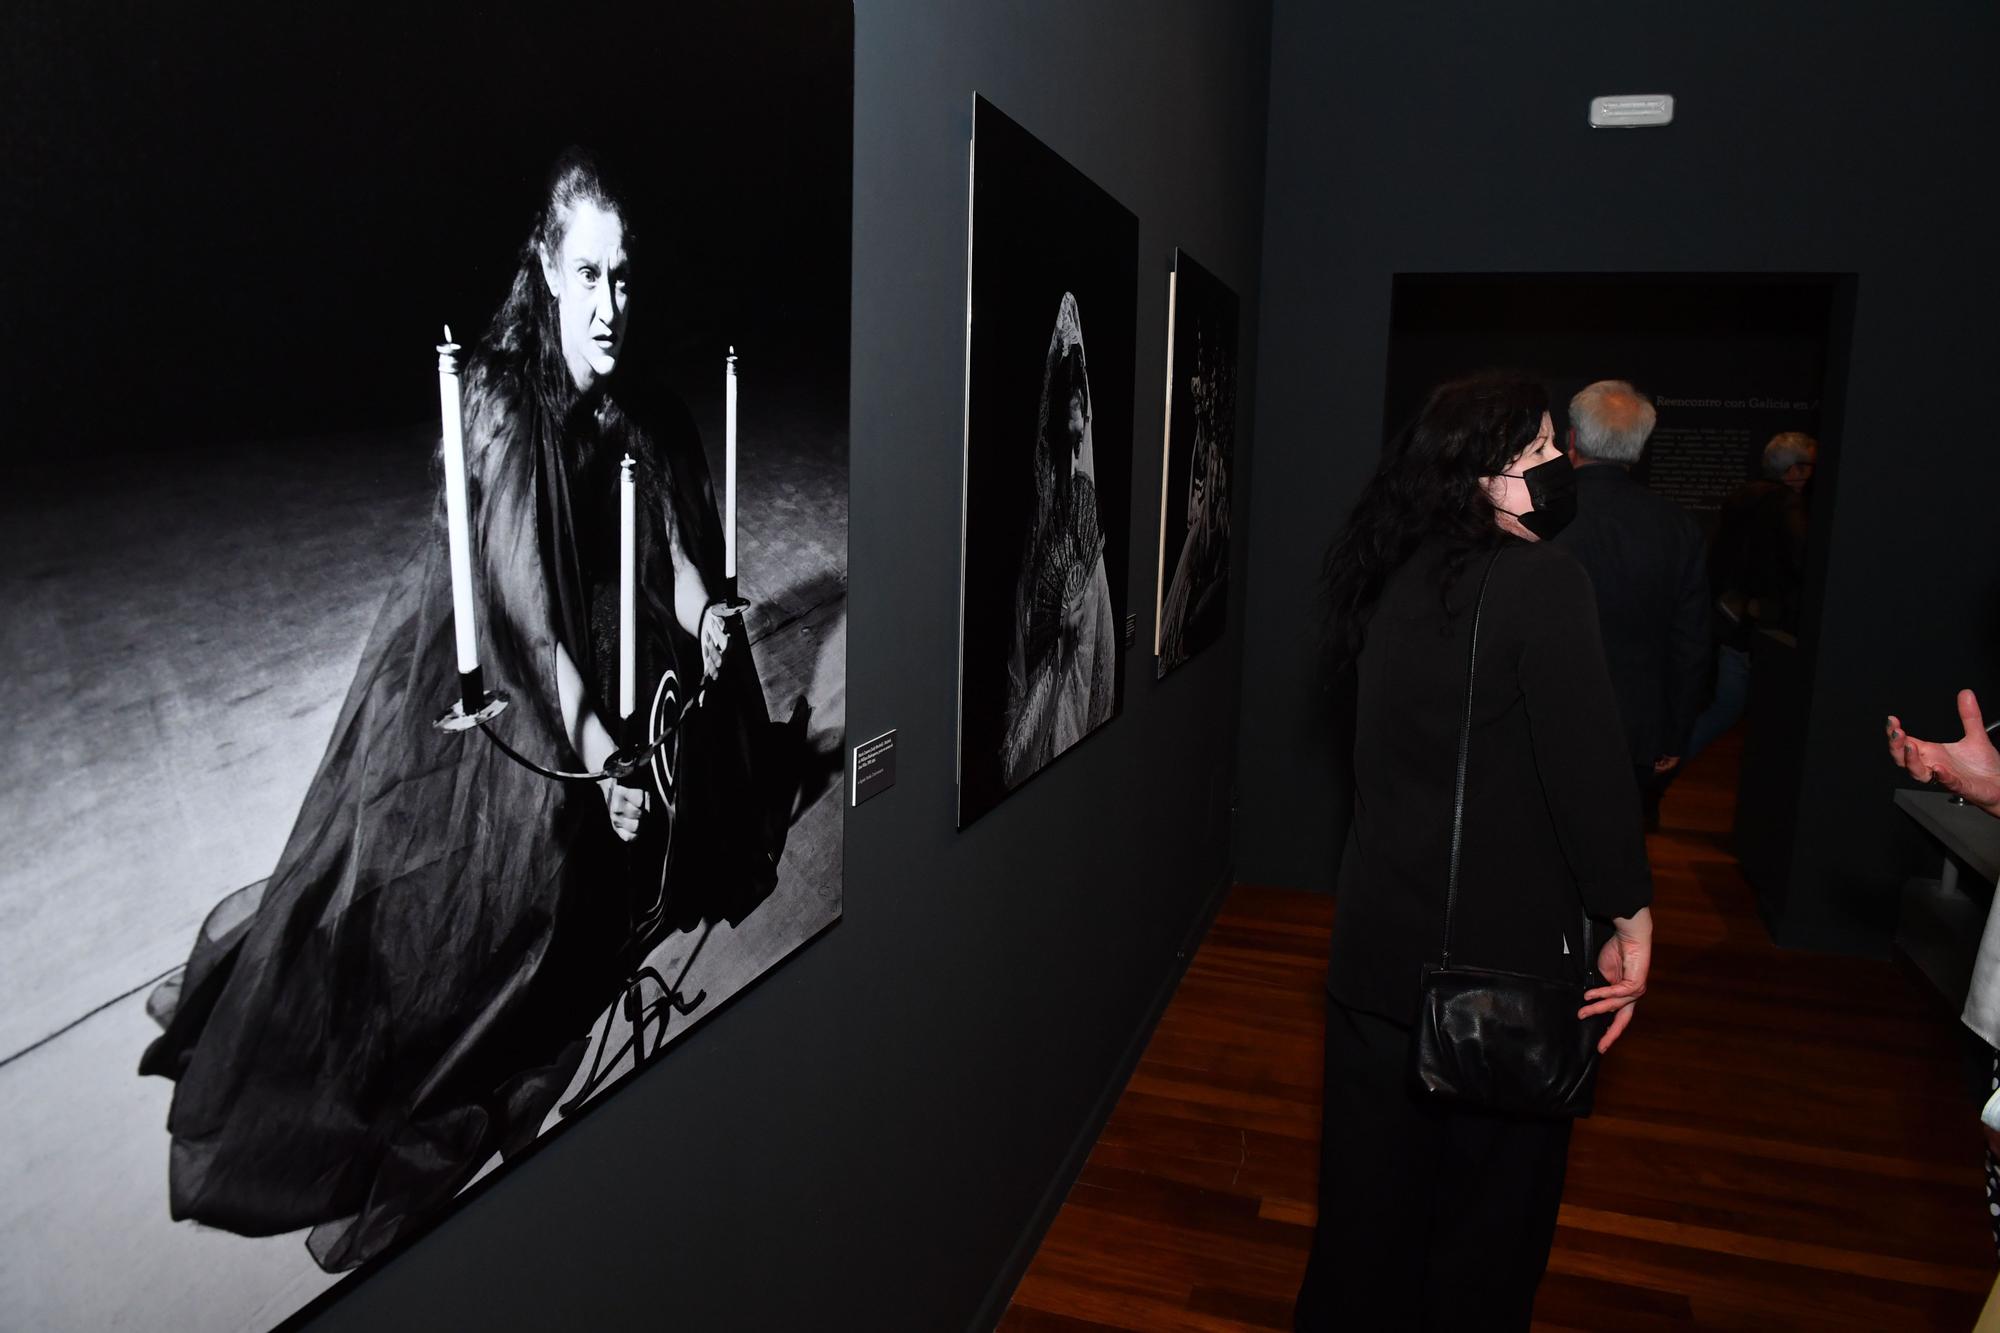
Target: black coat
x,y
1551,819
1758,560
408,995
1646,561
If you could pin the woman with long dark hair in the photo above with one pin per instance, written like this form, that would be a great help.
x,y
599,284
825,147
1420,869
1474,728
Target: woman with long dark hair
x,y
1440,1215
411,990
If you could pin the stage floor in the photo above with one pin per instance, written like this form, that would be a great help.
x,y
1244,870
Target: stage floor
x,y
180,632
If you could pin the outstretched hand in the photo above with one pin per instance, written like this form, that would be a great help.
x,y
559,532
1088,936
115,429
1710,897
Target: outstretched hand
x,y
1623,962
1968,766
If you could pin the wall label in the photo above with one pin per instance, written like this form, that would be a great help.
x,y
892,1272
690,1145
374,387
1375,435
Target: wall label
x,y
874,769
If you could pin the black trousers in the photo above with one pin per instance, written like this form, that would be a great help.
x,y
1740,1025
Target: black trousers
x,y
1430,1217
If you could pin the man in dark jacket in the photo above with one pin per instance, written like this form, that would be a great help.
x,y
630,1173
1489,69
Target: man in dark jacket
x,y
1646,560
1756,573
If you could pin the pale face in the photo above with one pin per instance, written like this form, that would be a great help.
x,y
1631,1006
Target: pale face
x,y
588,279
1798,474
1509,493
1074,425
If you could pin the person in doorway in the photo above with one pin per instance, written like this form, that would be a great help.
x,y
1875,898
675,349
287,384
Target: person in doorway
x,y
1756,572
1645,558
1440,1216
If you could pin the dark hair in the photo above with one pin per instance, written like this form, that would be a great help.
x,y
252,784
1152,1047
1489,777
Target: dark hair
x,y
526,330
1429,484
1069,379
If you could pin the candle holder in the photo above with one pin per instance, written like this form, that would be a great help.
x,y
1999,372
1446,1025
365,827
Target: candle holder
x,y
462,715
662,731
457,719
626,760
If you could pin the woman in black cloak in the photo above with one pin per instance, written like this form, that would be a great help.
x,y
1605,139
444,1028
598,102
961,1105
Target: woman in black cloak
x,y
413,989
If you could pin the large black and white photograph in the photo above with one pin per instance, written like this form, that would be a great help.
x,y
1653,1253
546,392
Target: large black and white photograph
x,y
1048,461
425,565
1191,607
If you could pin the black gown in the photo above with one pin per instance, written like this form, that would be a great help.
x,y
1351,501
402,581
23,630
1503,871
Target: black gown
x,y
412,988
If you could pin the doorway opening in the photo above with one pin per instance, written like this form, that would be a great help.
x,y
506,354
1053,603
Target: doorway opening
x,y
1731,361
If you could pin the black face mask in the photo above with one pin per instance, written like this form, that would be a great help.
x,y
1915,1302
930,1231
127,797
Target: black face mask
x,y
1552,490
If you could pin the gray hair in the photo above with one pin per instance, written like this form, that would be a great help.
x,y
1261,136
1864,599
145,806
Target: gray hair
x,y
1612,421
1793,446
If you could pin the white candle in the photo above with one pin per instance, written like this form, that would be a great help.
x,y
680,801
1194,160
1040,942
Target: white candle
x,y
628,620
457,524
729,466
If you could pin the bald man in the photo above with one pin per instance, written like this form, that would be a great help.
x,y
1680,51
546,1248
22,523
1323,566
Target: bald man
x,y
1647,561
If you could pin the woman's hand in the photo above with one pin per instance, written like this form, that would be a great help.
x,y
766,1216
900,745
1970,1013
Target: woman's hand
x,y
714,639
1968,766
626,806
1623,962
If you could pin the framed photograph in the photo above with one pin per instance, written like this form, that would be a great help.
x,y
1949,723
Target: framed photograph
x,y
425,553
1192,597
1048,461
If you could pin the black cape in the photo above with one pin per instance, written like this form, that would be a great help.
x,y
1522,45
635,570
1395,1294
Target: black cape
x,y
411,989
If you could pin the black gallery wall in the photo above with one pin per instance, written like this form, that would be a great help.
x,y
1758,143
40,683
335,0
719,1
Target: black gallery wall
x,y
871,1137
1831,139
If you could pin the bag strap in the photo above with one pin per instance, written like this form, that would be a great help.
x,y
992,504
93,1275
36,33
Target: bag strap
x,y
1584,960
1464,750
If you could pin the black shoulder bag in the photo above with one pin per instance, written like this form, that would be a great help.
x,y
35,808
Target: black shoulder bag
x,y
1502,1040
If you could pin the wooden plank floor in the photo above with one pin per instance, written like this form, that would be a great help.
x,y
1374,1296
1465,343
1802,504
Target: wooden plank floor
x,y
1782,1142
